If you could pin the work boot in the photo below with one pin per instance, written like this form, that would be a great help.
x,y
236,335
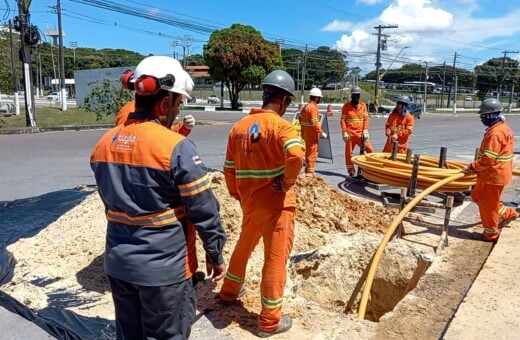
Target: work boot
x,y
241,293
284,325
505,221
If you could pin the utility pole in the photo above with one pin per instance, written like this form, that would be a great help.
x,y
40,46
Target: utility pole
x,y
174,44
63,96
425,86
74,45
304,69
22,25
378,61
452,79
186,43
443,82
499,89
40,80
455,96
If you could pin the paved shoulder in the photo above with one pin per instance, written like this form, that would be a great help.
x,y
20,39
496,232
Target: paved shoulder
x,y
491,308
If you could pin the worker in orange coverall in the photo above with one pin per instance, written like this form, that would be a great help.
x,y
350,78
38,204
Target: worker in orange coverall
x,y
183,128
494,169
263,159
354,126
399,125
311,130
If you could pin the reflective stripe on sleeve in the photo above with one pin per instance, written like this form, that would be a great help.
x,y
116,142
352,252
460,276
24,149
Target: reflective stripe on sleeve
x,y
195,187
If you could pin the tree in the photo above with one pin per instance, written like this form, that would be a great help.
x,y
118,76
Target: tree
x,y
489,75
106,98
324,66
195,60
6,72
239,55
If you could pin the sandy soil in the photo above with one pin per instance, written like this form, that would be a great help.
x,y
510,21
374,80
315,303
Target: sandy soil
x,y
335,237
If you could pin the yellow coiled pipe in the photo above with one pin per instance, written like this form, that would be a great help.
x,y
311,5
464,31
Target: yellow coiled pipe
x,y
379,168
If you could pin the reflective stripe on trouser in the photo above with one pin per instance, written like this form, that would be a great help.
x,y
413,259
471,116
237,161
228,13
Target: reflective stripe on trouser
x,y
487,197
352,142
277,230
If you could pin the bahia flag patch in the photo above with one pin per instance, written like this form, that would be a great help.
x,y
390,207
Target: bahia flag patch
x,y
196,160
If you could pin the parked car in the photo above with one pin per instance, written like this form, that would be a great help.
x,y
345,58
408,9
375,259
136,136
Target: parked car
x,y
53,96
213,99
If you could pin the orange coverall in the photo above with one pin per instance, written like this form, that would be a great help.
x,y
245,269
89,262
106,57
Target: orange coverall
x,y
354,120
494,169
311,130
262,147
403,127
129,107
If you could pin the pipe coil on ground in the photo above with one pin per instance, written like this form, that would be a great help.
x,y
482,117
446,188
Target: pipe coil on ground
x,y
379,168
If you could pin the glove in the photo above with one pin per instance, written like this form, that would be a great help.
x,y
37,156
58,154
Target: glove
x,y
366,135
345,137
468,170
188,122
279,185
394,136
323,135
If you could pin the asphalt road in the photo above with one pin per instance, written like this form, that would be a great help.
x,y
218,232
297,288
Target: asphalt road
x,y
35,164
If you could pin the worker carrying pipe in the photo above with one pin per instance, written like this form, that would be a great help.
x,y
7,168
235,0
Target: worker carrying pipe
x,y
494,169
311,129
399,125
354,126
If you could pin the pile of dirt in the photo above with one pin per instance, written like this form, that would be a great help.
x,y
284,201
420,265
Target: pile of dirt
x,y
63,265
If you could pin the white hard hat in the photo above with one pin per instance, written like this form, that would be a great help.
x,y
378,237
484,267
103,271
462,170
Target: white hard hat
x,y
159,67
315,92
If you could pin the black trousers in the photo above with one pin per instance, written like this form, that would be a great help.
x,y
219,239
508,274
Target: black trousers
x,y
158,313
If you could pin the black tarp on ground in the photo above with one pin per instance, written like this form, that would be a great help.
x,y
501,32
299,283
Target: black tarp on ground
x,y
25,218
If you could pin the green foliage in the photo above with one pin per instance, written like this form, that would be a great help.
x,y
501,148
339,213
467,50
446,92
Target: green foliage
x,y
6,72
106,98
235,56
323,66
194,60
490,74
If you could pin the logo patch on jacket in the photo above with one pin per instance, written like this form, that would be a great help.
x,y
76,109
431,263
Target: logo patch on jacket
x,y
196,160
254,132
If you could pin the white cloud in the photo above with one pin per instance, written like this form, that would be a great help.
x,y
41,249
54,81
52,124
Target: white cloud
x,y
338,26
417,15
432,33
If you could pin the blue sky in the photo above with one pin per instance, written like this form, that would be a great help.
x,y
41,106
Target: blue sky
x,y
428,30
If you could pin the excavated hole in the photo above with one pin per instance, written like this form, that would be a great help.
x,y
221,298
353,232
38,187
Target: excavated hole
x,y
329,275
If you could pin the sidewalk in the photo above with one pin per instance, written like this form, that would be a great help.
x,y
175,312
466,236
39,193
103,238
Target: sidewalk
x,y
491,308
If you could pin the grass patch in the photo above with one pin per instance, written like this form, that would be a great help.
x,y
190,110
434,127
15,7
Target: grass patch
x,y
51,116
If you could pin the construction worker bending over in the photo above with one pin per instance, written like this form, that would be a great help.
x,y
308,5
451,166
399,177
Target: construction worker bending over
x,y
263,159
311,129
354,126
157,195
399,126
184,127
494,169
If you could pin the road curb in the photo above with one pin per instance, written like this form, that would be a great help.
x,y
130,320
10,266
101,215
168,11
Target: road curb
x,y
21,131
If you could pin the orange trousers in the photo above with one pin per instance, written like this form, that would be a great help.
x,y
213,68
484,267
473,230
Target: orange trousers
x,y
402,148
487,197
277,230
311,149
352,142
